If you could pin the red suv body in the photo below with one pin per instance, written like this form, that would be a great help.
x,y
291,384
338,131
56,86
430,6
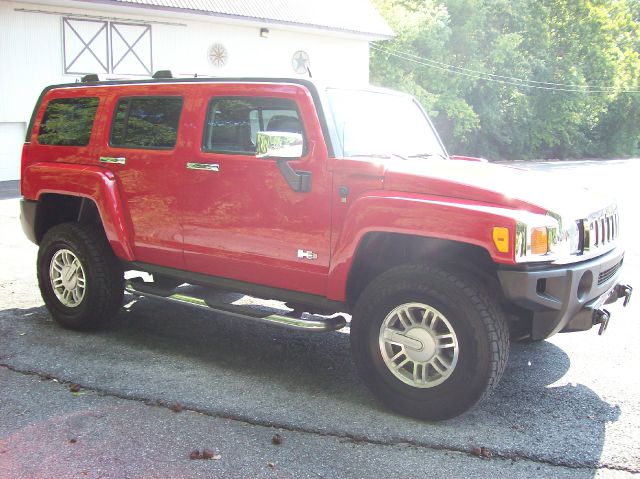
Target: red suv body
x,y
331,200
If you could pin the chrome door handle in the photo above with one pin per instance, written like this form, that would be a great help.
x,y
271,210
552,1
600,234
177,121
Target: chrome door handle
x,y
109,159
203,166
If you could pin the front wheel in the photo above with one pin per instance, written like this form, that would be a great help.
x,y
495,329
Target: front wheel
x,y
80,279
428,342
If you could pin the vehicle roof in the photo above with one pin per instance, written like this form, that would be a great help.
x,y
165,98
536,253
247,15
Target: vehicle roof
x,y
308,82
189,80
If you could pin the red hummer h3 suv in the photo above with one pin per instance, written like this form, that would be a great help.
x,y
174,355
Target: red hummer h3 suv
x,y
332,201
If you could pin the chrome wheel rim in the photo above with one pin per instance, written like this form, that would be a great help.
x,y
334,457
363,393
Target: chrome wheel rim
x,y
418,345
67,278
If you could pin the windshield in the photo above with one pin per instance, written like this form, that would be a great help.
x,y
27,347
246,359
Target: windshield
x,y
373,123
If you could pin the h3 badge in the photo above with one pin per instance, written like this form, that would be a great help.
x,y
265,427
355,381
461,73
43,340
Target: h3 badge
x,y
307,254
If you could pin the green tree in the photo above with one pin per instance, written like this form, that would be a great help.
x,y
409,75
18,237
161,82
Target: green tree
x,y
466,60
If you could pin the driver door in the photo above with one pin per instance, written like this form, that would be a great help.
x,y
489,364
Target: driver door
x,y
242,219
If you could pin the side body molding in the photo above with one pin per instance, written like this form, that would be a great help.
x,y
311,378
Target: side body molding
x,y
416,215
95,183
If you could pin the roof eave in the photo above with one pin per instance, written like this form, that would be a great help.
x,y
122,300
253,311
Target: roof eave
x,y
371,36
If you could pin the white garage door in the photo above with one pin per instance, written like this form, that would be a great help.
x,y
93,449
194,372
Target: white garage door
x,y
11,141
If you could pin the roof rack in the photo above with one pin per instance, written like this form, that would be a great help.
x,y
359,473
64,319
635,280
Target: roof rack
x,y
91,77
159,75
162,74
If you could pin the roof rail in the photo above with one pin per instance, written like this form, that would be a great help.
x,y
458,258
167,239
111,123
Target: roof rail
x,y
91,77
162,74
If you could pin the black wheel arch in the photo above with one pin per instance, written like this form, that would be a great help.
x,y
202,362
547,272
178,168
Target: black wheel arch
x,y
381,251
53,209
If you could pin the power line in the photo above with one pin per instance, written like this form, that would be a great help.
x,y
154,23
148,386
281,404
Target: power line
x,y
492,75
499,78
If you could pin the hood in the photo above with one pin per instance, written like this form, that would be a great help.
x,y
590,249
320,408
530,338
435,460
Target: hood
x,y
494,184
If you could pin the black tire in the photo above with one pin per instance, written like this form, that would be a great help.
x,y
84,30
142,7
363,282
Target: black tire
x,y
477,321
103,276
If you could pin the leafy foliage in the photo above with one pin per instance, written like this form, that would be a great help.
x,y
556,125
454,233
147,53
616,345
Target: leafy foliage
x,y
519,78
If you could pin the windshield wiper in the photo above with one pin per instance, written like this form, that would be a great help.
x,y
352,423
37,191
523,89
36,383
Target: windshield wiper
x,y
380,155
428,155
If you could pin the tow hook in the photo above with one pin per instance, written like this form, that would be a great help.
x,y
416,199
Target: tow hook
x,y
624,291
601,317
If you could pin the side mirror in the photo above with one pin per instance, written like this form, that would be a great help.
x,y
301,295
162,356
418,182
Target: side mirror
x,y
279,145
283,146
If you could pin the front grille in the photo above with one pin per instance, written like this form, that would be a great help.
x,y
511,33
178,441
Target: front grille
x,y
601,230
606,275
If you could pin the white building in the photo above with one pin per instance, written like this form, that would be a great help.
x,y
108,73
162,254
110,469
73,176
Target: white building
x,y
57,41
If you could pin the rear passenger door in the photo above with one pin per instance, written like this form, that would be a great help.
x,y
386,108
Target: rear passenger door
x,y
141,147
242,220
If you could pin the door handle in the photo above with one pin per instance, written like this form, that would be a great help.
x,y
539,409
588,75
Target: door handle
x,y
109,159
203,166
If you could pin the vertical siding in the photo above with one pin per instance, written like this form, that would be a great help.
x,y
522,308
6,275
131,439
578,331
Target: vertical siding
x,y
30,58
184,51
31,52
31,55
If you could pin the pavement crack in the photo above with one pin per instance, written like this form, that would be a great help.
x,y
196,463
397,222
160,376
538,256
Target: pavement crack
x,y
341,436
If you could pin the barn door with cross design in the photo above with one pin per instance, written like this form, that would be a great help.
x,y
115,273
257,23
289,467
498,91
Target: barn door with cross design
x,y
85,44
92,46
131,49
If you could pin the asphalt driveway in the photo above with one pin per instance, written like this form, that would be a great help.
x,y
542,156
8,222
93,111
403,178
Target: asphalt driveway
x,y
99,405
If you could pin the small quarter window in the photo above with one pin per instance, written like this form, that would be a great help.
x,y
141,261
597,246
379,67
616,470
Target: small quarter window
x,y
233,123
68,122
149,122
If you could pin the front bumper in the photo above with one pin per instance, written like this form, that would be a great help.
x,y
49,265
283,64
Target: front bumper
x,y
568,297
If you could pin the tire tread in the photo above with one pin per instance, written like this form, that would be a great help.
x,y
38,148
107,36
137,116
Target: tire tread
x,y
105,297
424,278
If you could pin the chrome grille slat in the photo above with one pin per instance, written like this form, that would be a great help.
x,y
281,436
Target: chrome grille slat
x,y
601,230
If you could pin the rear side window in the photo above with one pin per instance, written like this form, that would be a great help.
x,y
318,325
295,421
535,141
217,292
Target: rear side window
x,y
233,123
68,122
146,122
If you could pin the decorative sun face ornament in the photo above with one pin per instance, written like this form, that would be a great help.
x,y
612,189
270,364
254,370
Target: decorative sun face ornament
x,y
217,55
300,62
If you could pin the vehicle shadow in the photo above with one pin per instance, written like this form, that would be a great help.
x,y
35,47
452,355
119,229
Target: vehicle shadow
x,y
546,416
159,351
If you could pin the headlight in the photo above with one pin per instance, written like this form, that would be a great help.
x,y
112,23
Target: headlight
x,y
567,241
546,238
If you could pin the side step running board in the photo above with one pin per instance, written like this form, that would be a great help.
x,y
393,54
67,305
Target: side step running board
x,y
311,323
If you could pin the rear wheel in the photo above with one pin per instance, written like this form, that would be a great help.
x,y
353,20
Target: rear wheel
x,y
428,342
80,279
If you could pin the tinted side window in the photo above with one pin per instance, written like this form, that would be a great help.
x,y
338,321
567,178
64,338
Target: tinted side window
x,y
68,122
233,123
150,122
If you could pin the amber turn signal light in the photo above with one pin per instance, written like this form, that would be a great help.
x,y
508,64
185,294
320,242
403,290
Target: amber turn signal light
x,y
501,238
